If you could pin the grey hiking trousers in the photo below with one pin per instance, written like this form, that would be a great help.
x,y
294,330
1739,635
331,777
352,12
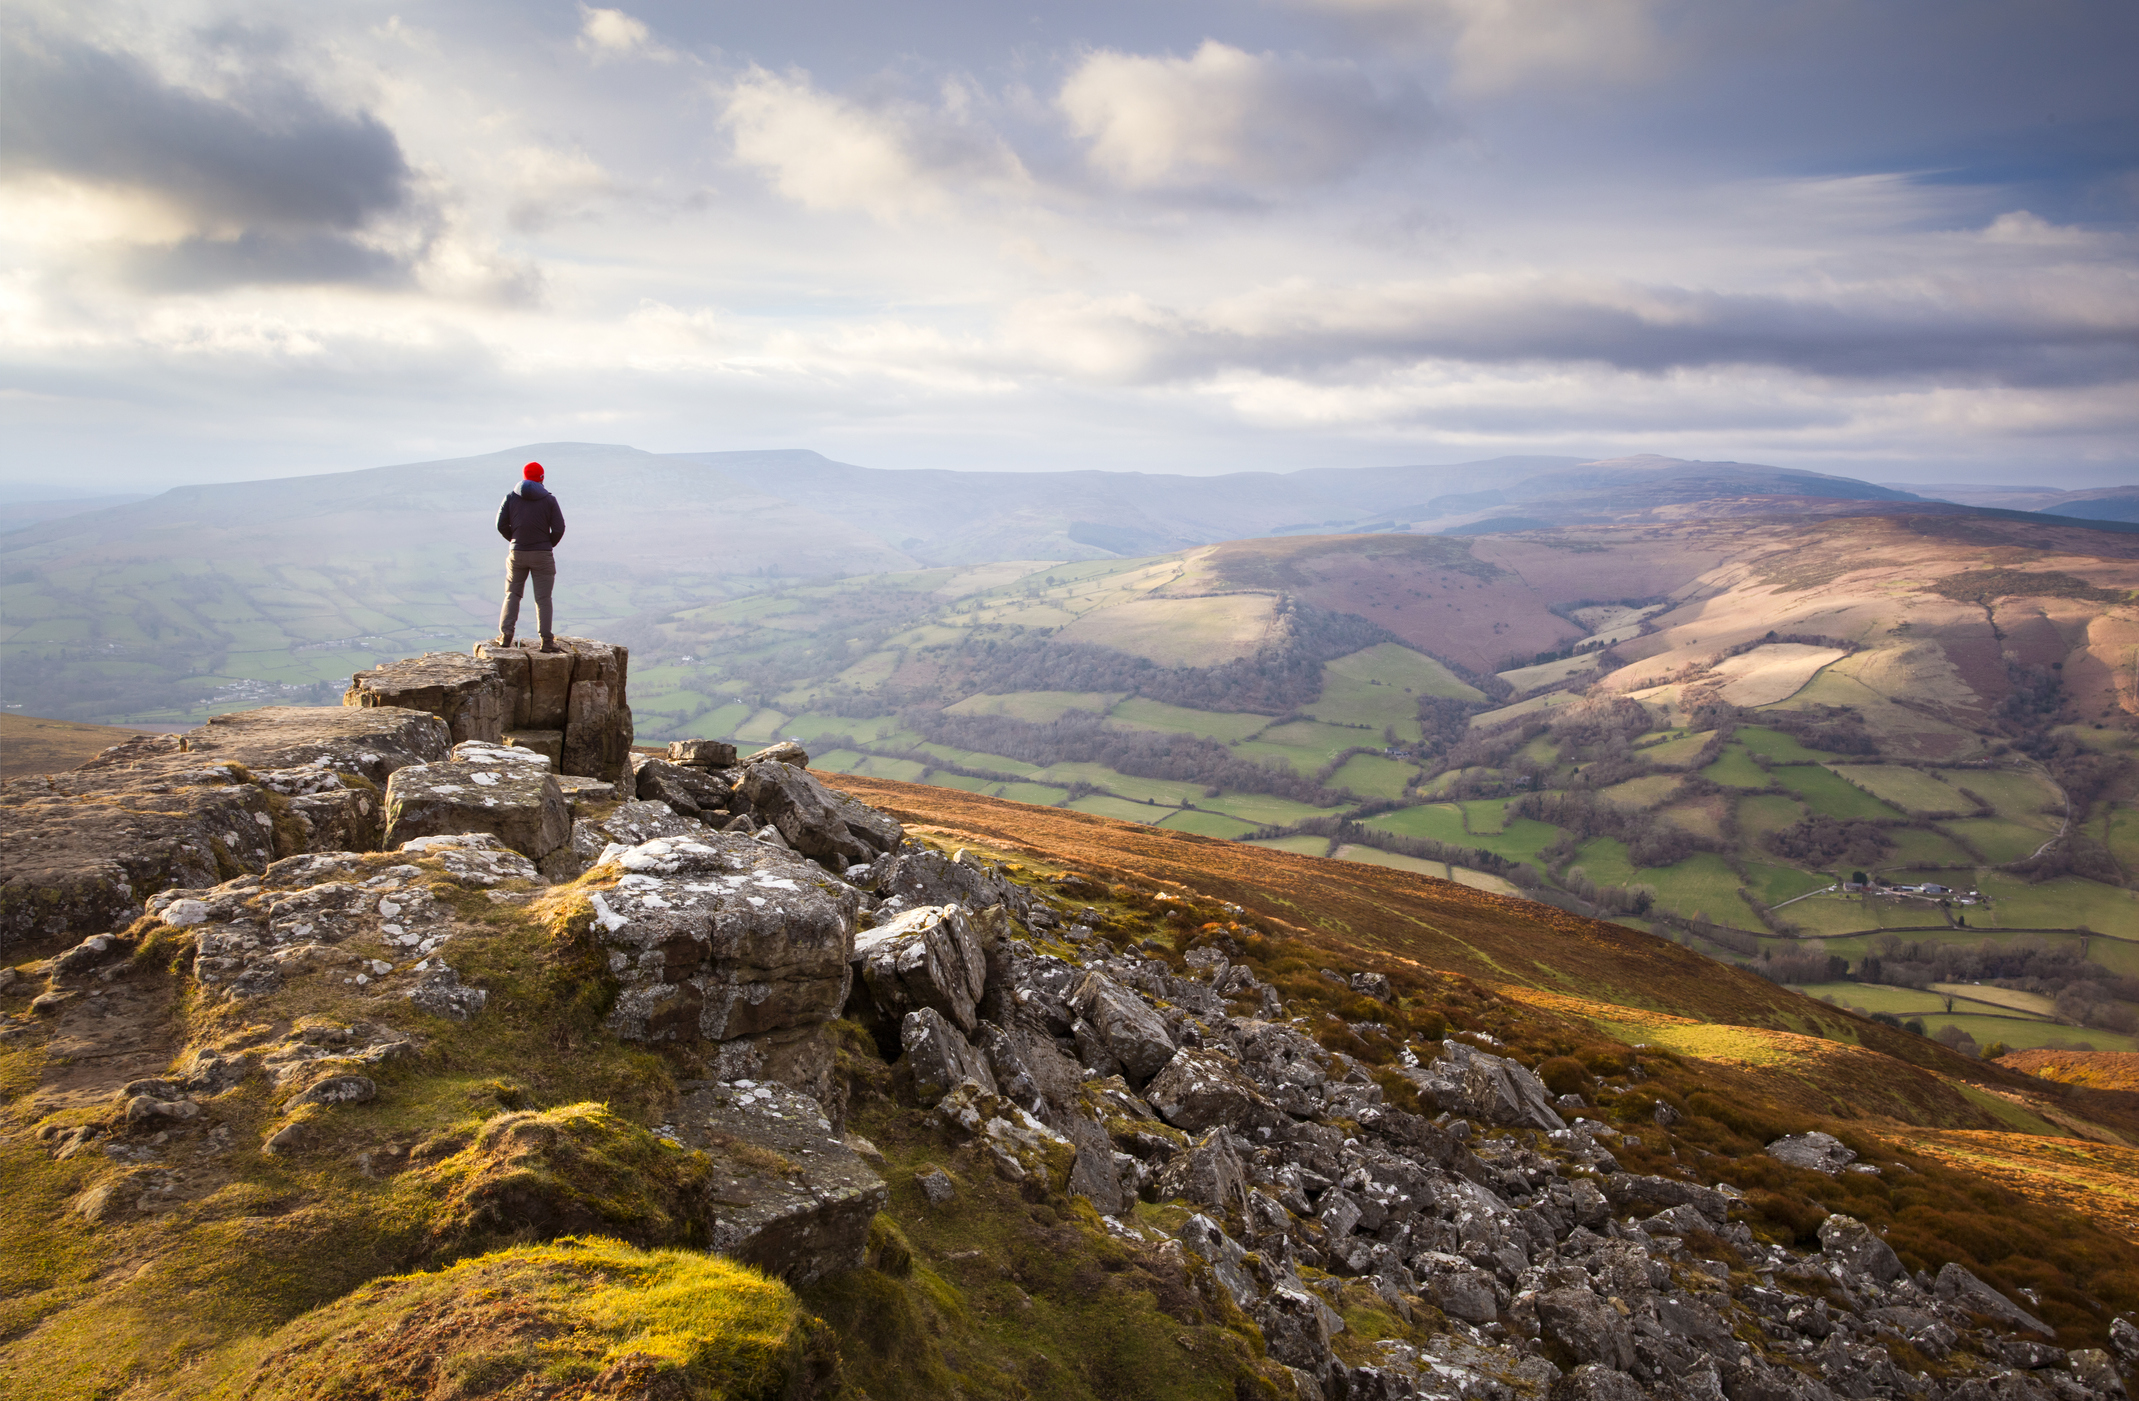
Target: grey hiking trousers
x,y
520,566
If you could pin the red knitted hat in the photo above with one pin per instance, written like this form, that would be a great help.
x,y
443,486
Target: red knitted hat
x,y
532,472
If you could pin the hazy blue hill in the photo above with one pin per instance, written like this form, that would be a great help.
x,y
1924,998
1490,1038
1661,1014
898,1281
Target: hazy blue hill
x,y
943,517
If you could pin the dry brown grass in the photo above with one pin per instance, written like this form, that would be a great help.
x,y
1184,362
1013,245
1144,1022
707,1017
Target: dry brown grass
x,y
2097,1070
29,745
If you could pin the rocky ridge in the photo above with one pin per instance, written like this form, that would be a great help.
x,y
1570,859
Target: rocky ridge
x,y
739,909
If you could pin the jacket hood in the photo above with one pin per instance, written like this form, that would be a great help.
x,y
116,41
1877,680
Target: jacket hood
x,y
533,489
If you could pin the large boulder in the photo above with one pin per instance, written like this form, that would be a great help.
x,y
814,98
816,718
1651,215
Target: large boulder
x,y
1959,1286
1125,1025
930,957
813,819
940,1058
788,1196
735,947
1850,1243
1817,1152
1208,1172
516,802
1476,1085
1585,1328
1199,1090
689,791
80,851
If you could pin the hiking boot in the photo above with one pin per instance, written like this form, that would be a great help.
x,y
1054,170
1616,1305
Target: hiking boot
x,y
503,639
550,645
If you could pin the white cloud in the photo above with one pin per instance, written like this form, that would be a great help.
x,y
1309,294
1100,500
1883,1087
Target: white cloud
x,y
607,34
1223,115
829,153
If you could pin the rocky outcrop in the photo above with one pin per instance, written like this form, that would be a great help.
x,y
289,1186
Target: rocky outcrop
x,y
786,1194
736,948
80,851
571,704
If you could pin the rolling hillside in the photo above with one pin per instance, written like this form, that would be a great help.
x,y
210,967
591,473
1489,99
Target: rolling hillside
x,y
1702,728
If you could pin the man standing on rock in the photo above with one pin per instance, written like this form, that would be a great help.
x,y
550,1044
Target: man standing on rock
x,y
533,521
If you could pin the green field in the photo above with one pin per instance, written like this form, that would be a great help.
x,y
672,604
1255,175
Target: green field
x,y
1734,768
1644,792
1999,839
1675,753
1122,808
1777,746
2019,797
1440,822
1522,840
1164,792
1604,860
1306,746
1762,813
1305,846
1775,884
1263,809
1826,794
1382,686
1911,790
1701,884
1224,727
2067,902
1208,824
1918,847
1039,707
1374,776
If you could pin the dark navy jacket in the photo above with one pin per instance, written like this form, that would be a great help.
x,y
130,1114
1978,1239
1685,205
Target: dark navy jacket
x,y
531,518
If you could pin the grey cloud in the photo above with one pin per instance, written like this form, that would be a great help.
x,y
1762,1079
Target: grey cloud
x,y
196,264
294,175
1644,330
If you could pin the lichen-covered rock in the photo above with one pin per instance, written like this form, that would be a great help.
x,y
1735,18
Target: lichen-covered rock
x,y
1457,1287
733,943
1208,1172
913,875
516,802
475,859
628,825
786,1194
1629,1191
930,957
1850,1243
1585,1327
1478,1085
1121,1022
1818,1152
940,1058
702,753
1199,1090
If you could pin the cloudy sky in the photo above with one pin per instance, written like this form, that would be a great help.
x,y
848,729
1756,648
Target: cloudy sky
x,y
1895,240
